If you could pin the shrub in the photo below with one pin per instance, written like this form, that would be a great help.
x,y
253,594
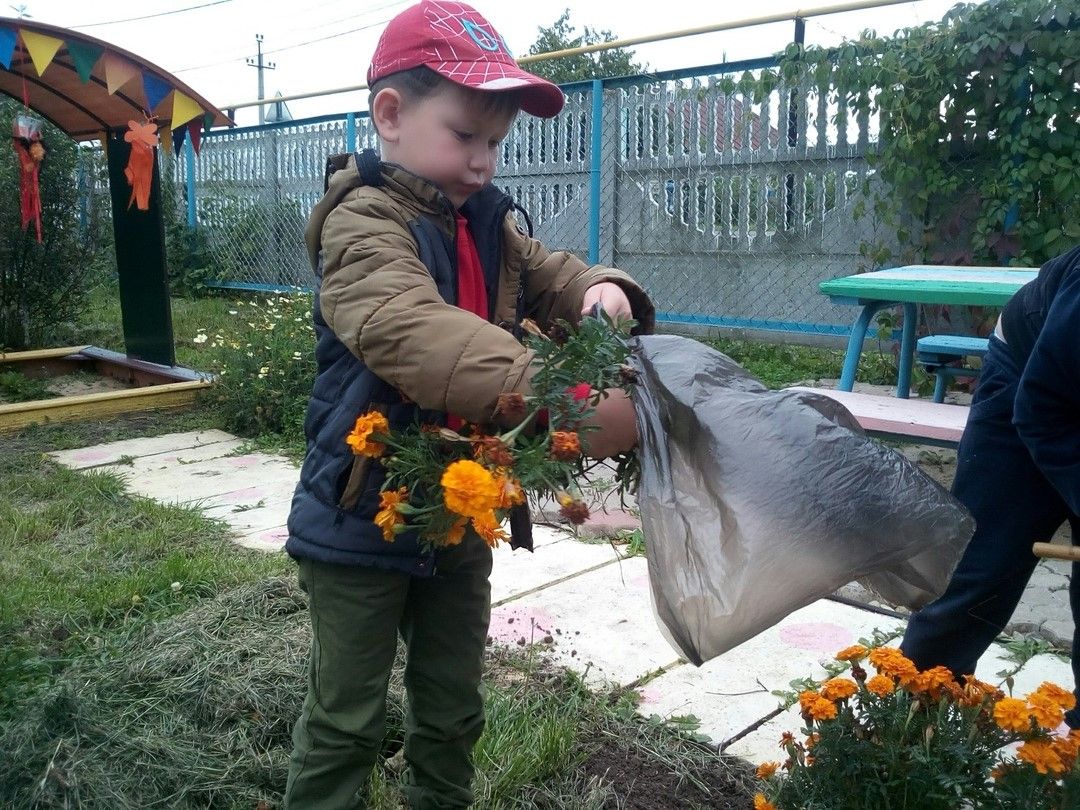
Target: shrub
x,y
905,738
265,366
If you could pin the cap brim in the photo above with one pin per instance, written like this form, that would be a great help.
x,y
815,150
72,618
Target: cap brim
x,y
538,96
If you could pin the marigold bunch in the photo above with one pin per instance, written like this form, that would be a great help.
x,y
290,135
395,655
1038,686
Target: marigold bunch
x,y
909,738
441,483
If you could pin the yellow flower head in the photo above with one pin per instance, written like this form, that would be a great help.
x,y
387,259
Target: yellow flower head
x,y
766,769
881,685
1045,710
761,803
1042,755
1011,714
388,518
838,688
359,439
856,652
487,526
816,707
1062,697
469,489
890,661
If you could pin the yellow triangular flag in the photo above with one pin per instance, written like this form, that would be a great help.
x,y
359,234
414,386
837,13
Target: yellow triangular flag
x,y
165,135
183,109
42,49
118,71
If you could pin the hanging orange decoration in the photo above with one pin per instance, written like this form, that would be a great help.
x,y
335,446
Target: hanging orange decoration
x,y
30,152
140,168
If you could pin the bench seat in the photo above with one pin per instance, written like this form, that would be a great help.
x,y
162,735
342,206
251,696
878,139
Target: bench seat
x,y
935,352
908,419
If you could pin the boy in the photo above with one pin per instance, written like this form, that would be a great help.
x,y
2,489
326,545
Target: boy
x,y
1017,471
423,273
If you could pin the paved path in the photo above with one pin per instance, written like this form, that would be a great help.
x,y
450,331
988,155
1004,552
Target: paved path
x,y
583,601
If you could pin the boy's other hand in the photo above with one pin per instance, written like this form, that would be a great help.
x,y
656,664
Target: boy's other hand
x,y
611,298
616,427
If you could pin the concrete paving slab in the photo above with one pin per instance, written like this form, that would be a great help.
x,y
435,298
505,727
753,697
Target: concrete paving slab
x,y
112,452
734,690
517,572
215,477
264,513
600,624
163,463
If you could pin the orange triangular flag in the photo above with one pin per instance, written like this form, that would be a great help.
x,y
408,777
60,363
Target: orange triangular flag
x,y
183,109
118,71
42,49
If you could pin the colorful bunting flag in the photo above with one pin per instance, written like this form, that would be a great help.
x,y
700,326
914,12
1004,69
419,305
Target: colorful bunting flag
x,y
208,121
166,136
85,56
178,135
155,89
118,71
7,46
42,49
195,129
183,109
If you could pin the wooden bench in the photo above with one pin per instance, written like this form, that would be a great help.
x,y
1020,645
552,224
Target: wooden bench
x,y
935,352
908,419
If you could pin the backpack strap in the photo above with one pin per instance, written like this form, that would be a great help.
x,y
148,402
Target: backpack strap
x,y
368,166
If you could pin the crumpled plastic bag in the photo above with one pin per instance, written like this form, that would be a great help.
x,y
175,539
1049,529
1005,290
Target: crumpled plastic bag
x,y
755,503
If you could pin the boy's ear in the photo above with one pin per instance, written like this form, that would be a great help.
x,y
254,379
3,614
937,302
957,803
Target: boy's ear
x,y
386,113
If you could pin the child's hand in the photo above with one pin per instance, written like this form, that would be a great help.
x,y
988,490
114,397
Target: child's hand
x,y
611,298
616,426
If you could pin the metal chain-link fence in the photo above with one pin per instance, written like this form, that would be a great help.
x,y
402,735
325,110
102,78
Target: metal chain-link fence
x,y
729,209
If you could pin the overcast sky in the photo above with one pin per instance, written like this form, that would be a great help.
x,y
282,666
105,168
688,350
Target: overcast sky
x,y
323,44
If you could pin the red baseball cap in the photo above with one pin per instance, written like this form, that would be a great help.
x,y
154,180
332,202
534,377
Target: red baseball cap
x,y
455,41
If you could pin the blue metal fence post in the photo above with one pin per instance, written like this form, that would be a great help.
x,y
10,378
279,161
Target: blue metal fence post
x,y
189,170
594,170
350,132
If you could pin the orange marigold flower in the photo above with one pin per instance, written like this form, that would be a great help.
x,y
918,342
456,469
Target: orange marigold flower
x,y
1062,697
856,652
469,489
1042,755
807,698
890,661
881,685
976,691
487,526
821,709
1011,714
1045,710
510,491
456,533
998,772
766,769
565,445
786,739
493,450
574,510
932,681
838,688
1068,747
812,740
761,803
388,518
359,439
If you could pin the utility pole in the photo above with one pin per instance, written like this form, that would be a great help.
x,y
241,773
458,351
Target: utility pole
x,y
261,66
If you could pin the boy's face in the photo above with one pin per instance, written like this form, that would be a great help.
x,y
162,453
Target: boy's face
x,y
449,137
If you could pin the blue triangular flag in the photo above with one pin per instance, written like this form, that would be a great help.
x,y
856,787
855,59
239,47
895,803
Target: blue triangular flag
x,y
178,139
155,90
7,46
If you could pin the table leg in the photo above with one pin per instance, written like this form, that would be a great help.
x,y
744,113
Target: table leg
x,y
907,349
855,343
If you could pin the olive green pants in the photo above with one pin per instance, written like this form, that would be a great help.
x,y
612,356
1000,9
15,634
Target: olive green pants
x,y
356,615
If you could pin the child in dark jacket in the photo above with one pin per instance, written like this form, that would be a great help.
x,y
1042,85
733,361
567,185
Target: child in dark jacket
x,y
1017,471
424,271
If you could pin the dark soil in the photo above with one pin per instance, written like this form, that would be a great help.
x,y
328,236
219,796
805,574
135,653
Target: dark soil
x,y
643,782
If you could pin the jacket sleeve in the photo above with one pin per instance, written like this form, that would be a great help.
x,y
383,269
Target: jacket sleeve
x,y
1047,409
381,302
555,282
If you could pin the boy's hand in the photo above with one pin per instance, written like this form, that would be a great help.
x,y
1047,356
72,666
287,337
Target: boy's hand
x,y
611,298
616,426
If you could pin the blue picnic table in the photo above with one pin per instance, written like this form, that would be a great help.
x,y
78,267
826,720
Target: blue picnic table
x,y
909,287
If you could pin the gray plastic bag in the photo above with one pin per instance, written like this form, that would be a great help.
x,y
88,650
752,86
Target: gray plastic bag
x,y
755,503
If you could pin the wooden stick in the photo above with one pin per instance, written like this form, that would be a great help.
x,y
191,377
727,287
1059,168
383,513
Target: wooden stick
x,y
1054,551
